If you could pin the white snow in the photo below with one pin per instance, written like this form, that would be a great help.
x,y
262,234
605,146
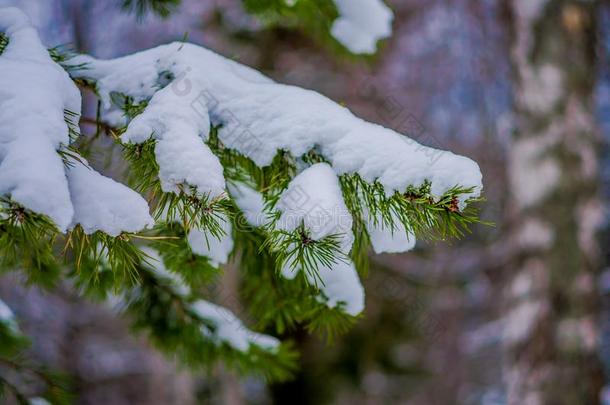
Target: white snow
x,y
7,316
217,250
260,117
342,287
101,203
180,152
386,239
39,401
230,329
34,93
361,24
313,198
250,202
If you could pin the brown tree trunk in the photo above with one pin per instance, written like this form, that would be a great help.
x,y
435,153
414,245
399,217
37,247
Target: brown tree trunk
x,y
551,334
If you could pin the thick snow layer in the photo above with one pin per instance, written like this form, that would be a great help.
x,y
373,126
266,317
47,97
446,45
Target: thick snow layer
x,y
342,287
230,329
180,152
101,203
260,117
217,250
35,92
361,24
313,198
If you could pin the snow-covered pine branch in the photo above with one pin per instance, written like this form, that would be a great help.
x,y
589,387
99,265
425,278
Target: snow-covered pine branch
x,y
290,184
39,114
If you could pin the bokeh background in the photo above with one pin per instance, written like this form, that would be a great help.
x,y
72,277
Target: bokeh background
x,y
485,320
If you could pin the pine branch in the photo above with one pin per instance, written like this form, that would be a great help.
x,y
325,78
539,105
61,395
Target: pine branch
x,y
178,257
162,8
175,328
4,40
297,251
26,241
416,208
200,212
119,253
278,303
61,54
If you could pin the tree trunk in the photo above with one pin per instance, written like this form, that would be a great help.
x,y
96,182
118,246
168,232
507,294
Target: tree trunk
x,y
551,334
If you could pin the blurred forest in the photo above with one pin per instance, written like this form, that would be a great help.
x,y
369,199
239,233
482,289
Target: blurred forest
x,y
516,313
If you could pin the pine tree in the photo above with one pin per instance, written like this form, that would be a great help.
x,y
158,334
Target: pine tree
x,y
221,164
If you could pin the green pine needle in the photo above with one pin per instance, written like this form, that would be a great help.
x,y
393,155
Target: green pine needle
x,y
162,8
299,252
4,40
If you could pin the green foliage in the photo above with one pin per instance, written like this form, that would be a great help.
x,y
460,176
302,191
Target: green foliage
x,y
416,209
177,256
276,303
3,42
167,319
298,251
26,241
61,54
119,253
270,180
162,8
312,18
315,17
201,212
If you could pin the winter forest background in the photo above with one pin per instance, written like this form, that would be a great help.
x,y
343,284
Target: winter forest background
x,y
440,321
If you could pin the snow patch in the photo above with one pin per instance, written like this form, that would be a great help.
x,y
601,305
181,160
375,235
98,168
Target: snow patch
x,y
314,199
230,330
361,24
217,250
100,203
180,152
250,202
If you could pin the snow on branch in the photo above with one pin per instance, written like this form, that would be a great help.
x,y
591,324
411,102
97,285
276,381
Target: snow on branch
x,y
7,316
314,219
39,111
258,118
218,323
230,330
